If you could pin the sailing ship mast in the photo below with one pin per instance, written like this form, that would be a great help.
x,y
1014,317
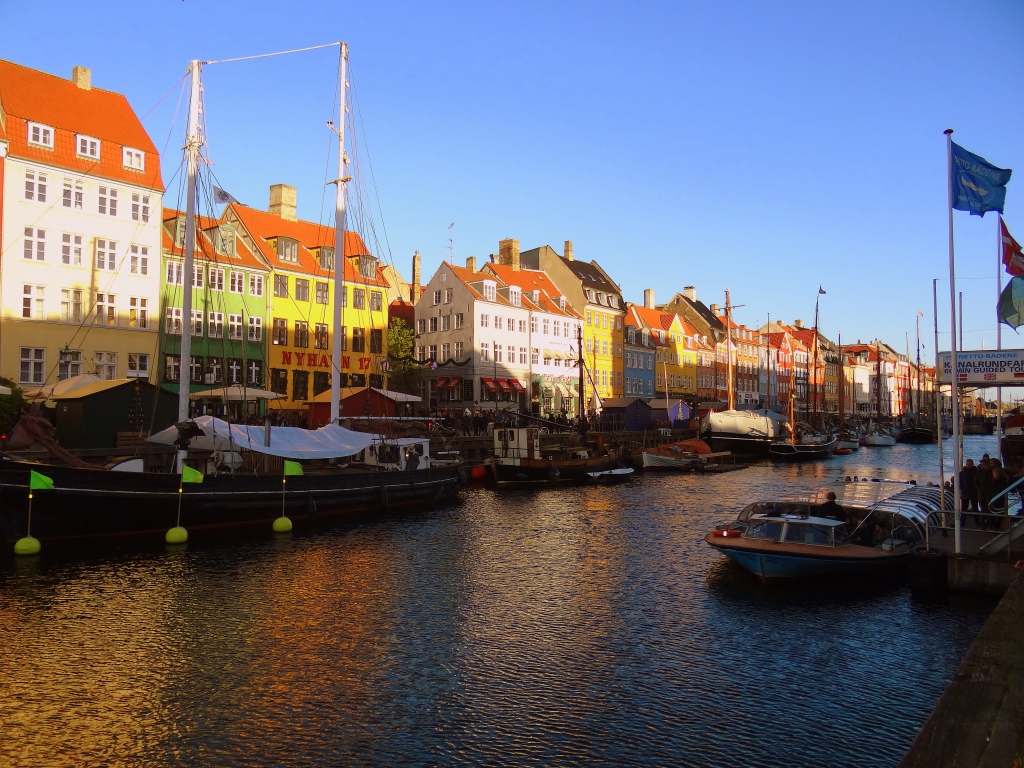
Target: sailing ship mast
x,y
728,350
814,382
878,386
339,240
842,386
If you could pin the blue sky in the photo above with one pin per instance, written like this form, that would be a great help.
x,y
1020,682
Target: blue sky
x,y
764,148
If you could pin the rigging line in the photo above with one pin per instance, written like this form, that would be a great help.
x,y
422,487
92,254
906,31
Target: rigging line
x,y
380,210
275,53
165,95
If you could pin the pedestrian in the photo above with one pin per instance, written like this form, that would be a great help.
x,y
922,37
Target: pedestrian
x,y
982,479
998,482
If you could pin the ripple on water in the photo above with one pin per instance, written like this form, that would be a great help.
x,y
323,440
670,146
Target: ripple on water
x,y
573,626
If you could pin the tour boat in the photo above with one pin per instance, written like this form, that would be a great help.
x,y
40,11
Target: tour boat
x,y
777,548
518,458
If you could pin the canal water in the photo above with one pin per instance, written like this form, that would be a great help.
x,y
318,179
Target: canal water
x,y
569,626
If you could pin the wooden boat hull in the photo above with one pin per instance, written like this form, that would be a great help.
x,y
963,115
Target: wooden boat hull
x,y
790,452
775,562
659,461
551,470
96,503
611,476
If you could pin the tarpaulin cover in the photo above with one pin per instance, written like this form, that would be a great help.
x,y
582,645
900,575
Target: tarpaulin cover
x,y
327,442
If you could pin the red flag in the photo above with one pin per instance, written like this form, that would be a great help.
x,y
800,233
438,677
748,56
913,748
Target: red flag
x,y
1013,255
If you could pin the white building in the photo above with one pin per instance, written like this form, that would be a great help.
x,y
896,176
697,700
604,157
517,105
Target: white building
x,y
80,202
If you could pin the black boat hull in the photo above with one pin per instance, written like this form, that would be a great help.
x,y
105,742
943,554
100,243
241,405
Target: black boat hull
x,y
96,503
738,444
790,452
916,435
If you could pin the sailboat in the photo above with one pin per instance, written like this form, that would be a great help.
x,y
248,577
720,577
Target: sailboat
x,y
916,433
877,437
354,472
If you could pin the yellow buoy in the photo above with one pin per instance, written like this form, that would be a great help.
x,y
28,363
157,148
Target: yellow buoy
x,y
176,535
282,524
27,546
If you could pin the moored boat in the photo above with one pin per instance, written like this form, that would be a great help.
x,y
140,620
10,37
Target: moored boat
x,y
813,451
876,438
915,435
611,476
741,432
518,458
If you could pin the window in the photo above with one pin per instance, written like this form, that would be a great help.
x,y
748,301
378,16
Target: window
x,y
515,296
604,321
140,260
458,351
174,270
358,298
376,301
234,326
301,289
216,279
483,321
565,326
535,356
485,351
511,355
327,263
300,385
33,365
446,352
490,290
279,381
41,135
69,363
33,302
71,305
72,194
172,367
446,322
106,311
320,336
280,332
421,325
522,355
138,365
343,296
533,323
255,328
437,297
301,334
344,338
287,250
556,328
511,324
197,323
255,285
140,207
35,186
236,282
105,364
197,276
359,340
281,286
133,158
234,370
522,326
547,326
448,293
322,294
368,267
106,254
604,347
421,354
497,322
172,322
138,312
216,327
376,341
87,146
321,382
459,317
433,325
35,243
255,373
108,201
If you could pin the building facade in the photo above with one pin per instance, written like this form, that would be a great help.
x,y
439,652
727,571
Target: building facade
x,y
80,201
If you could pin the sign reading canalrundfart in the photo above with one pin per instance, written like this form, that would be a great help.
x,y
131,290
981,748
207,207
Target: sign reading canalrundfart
x,y
986,367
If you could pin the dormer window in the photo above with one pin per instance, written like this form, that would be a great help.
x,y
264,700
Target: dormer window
x,y
134,159
490,290
602,299
613,301
661,336
515,296
645,337
40,135
536,298
561,303
632,335
179,237
326,258
288,250
87,146
368,267
225,240
590,296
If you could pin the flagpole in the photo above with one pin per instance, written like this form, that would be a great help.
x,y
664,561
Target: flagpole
x,y
952,343
999,331
938,399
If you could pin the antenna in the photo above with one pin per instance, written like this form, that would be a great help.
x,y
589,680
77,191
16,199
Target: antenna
x,y
451,243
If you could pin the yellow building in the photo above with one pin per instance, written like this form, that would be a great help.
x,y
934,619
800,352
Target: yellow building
x,y
300,302
80,194
675,357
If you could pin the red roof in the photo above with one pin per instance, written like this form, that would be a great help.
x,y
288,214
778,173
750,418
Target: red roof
x,y
28,95
530,280
205,248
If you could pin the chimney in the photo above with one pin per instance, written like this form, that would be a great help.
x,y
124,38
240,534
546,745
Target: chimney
x,y
798,323
82,77
282,201
714,309
648,298
416,289
690,292
568,250
508,253
471,263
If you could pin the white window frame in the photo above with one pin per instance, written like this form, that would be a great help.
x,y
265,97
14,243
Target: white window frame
x,y
87,146
107,201
71,305
216,278
174,272
106,310
138,365
33,302
196,327
138,312
33,365
172,321
133,159
139,260
255,328
43,133
109,249
71,249
235,327
140,207
215,325
35,244
36,184
105,365
256,286
236,282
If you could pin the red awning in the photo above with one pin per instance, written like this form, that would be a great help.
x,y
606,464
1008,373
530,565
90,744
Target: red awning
x,y
516,385
505,387
454,381
439,383
489,383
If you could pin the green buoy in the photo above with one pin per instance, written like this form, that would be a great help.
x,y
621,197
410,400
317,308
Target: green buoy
x,y
27,546
176,535
282,524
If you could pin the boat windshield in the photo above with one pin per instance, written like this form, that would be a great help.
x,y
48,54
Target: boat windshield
x,y
769,530
808,533
841,535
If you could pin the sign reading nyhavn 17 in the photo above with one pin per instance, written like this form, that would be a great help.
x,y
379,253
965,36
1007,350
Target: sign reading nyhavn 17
x,y
986,366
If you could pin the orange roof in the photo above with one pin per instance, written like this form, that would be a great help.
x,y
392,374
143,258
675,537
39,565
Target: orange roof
x,y
28,95
654,318
263,226
530,280
205,247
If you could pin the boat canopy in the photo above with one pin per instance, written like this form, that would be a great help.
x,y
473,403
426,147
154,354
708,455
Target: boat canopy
x,y
329,442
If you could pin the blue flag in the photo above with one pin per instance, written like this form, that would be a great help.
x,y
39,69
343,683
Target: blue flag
x,y
978,186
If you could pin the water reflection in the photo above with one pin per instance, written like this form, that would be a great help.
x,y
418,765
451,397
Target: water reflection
x,y
567,626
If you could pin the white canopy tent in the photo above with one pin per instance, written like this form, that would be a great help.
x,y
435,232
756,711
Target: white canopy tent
x,y
329,442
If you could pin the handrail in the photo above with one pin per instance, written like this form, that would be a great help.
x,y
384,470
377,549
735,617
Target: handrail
x,y
1008,488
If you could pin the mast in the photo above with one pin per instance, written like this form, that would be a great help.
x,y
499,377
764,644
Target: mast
x,y
878,387
579,362
842,385
814,384
728,350
193,142
917,412
339,240
999,330
792,393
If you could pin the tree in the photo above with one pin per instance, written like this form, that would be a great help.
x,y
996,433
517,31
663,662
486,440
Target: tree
x,y
10,406
402,377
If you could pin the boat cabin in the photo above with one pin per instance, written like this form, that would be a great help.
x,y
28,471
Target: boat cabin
x,y
792,529
398,455
514,443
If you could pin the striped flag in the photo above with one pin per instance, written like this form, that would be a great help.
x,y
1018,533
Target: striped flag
x,y
1013,256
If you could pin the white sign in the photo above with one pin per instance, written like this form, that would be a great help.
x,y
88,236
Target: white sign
x,y
987,367
385,365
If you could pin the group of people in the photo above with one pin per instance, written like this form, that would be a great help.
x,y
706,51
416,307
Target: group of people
x,y
867,533
979,488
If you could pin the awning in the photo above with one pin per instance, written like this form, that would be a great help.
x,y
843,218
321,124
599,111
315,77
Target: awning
x,y
562,390
574,392
489,383
234,393
505,386
547,353
454,381
439,383
516,385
